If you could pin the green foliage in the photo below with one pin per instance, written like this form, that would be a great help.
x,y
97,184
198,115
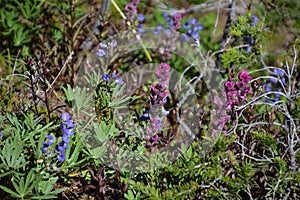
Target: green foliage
x,y
20,156
256,157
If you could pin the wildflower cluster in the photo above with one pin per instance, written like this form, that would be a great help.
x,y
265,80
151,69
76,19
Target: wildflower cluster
x,y
158,97
173,21
131,12
237,92
131,8
1,134
192,28
276,84
67,127
104,49
118,80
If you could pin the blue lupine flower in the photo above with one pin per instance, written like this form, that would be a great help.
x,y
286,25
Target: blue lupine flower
x,y
66,139
100,53
105,77
280,73
119,81
113,44
140,17
102,45
49,142
255,19
277,96
70,124
44,148
68,131
145,116
50,139
192,27
114,74
61,157
157,29
268,87
1,133
250,40
65,116
168,19
67,127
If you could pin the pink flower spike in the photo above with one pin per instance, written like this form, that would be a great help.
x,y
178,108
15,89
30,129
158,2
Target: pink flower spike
x,y
229,85
244,76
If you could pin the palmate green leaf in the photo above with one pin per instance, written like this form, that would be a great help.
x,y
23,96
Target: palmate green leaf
x,y
21,37
46,186
9,191
17,187
79,97
69,94
44,197
11,154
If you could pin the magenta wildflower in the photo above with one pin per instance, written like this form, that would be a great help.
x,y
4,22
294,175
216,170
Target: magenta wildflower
x,y
244,76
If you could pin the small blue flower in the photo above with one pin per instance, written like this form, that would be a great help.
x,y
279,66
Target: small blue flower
x,y
66,139
192,27
140,17
100,53
114,74
60,147
61,157
105,77
114,44
157,29
119,81
102,45
278,72
255,19
70,124
145,116
65,116
250,40
44,147
277,96
49,142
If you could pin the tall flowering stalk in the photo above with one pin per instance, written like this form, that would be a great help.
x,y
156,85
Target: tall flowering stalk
x,y
67,127
158,97
235,93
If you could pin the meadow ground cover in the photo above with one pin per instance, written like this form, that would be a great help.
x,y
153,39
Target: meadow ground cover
x,y
194,99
